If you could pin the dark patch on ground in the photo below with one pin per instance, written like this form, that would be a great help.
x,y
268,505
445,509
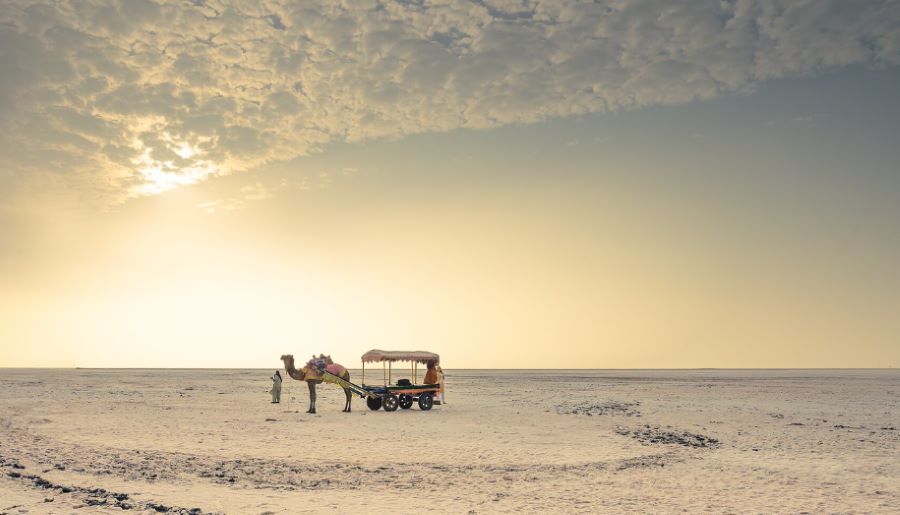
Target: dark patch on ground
x,y
643,462
605,408
650,435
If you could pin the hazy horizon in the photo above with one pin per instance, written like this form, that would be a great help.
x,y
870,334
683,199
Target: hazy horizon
x,y
400,370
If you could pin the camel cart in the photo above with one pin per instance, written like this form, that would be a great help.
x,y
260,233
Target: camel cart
x,y
406,391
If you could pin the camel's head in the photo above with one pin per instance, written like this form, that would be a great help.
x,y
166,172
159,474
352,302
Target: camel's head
x,y
287,357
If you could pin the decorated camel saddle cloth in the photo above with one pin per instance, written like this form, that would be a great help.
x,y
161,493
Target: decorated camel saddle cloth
x,y
311,373
334,368
316,367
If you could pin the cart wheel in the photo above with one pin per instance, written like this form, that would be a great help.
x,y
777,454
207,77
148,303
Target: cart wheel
x,y
406,401
426,401
391,402
374,403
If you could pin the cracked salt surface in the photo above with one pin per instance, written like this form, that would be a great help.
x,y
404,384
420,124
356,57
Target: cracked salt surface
x,y
507,441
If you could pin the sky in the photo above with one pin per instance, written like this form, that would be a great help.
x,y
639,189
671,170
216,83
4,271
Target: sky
x,y
510,184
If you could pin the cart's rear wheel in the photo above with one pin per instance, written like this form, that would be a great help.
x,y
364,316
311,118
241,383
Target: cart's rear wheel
x,y
426,401
374,403
391,402
406,401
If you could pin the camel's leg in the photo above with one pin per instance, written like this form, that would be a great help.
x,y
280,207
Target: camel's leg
x,y
312,396
349,398
347,391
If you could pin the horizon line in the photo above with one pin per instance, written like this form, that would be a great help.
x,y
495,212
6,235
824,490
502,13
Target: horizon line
x,y
453,368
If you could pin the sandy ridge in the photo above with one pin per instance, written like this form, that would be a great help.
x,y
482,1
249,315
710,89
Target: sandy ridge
x,y
79,497
290,475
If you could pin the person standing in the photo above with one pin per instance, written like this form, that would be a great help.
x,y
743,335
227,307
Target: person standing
x,y
440,373
276,387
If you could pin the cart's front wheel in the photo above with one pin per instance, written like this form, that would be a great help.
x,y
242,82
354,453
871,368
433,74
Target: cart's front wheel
x,y
426,401
406,401
374,403
391,402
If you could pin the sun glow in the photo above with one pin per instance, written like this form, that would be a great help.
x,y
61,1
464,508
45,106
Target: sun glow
x,y
160,175
186,151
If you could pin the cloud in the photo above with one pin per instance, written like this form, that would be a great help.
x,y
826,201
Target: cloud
x,y
134,97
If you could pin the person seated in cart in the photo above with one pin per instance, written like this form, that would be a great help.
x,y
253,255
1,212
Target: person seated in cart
x,y
431,374
434,375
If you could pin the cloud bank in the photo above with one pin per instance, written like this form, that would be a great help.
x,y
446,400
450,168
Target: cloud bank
x,y
136,97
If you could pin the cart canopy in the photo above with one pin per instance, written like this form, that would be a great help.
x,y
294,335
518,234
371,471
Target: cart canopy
x,y
376,355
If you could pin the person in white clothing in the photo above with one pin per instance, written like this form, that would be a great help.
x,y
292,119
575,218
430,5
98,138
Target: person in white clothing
x,y
276,387
440,372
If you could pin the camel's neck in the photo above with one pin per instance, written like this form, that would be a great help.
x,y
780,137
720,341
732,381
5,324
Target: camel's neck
x,y
292,371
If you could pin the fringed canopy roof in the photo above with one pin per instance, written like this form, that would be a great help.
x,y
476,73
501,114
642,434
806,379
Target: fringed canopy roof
x,y
420,356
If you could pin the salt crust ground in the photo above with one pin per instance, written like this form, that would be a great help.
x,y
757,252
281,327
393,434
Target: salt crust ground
x,y
104,441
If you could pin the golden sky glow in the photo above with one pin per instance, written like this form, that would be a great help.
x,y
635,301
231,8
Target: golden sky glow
x,y
515,184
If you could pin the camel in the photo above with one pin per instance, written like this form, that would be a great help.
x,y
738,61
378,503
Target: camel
x,y
313,377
